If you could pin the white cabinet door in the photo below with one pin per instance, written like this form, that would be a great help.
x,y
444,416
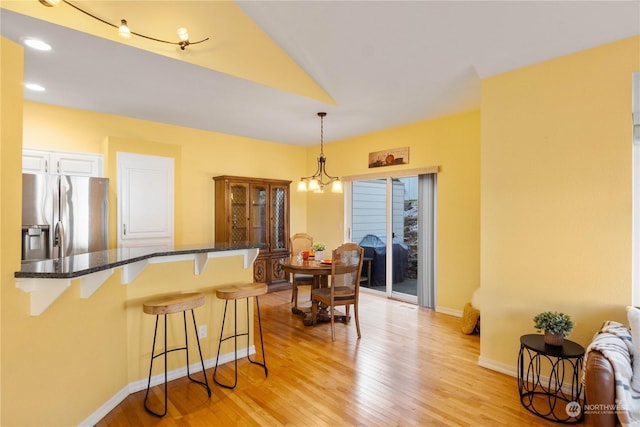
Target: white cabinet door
x,y
35,161
145,200
82,164
62,163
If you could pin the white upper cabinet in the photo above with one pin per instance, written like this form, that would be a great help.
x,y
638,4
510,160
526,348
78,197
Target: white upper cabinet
x,y
62,163
34,161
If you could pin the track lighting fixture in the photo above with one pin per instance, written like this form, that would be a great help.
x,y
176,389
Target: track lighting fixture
x,y
123,28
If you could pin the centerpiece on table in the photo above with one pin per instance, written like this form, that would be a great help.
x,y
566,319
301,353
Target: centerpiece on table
x,y
555,325
318,249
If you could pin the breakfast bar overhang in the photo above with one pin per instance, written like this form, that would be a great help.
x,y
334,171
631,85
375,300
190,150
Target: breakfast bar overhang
x,y
46,280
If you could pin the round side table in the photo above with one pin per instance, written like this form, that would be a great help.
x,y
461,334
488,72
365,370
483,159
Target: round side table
x,y
549,379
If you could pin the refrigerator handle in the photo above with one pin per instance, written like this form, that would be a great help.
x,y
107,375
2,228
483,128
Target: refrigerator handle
x,y
58,236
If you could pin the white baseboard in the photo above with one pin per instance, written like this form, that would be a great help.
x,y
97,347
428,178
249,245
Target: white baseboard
x,y
106,408
449,311
503,368
512,371
141,384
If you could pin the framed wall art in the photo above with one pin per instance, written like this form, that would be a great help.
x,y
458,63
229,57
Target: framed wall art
x,y
390,157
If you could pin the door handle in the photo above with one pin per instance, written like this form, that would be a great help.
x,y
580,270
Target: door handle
x,y
59,238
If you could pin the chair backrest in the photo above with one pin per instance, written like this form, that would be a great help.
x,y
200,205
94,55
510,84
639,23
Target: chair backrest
x,y
300,242
346,266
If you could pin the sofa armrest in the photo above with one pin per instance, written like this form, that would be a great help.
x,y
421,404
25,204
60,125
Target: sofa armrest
x,y
599,388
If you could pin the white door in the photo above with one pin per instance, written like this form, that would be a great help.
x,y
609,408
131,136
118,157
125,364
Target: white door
x,y
145,200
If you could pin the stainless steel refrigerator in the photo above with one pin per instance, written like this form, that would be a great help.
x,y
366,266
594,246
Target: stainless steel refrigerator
x,y
63,215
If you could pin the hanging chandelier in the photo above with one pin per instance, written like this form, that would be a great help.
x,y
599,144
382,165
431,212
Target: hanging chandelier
x,y
320,178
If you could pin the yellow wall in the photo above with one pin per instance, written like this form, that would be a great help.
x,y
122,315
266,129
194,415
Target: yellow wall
x,y
50,363
124,342
453,143
556,195
10,166
82,352
203,156
555,224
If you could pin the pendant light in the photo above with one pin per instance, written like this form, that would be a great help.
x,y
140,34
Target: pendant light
x,y
320,178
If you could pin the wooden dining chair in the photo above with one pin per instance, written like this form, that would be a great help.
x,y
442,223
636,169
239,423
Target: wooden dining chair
x,y
344,286
300,242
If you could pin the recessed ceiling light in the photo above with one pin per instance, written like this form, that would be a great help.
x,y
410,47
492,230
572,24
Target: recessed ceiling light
x,y
35,87
37,44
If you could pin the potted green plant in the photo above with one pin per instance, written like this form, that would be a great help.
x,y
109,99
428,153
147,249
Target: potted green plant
x,y
555,325
318,248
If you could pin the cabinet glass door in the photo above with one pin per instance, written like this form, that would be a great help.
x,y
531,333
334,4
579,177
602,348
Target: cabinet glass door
x,y
258,217
239,213
279,238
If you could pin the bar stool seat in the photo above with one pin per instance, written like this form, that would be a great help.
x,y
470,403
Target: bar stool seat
x,y
162,306
241,290
234,293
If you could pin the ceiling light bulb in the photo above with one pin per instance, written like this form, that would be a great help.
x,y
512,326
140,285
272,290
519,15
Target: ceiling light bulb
x,y
302,186
336,187
50,3
37,44
123,30
314,185
183,34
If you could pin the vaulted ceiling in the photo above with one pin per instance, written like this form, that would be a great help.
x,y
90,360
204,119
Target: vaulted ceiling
x,y
269,66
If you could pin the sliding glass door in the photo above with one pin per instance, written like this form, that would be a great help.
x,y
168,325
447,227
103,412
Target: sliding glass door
x,y
369,230
387,220
404,220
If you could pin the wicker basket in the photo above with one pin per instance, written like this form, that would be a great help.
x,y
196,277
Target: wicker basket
x,y
553,338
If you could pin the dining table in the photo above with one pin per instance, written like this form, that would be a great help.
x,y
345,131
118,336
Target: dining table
x,y
320,270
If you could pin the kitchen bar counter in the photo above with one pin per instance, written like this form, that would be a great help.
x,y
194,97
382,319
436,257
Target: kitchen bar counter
x,y
46,280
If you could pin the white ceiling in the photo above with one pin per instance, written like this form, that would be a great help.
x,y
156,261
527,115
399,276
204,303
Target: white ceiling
x,y
384,63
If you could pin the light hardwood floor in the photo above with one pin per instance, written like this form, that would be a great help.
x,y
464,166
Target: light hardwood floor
x,y
412,367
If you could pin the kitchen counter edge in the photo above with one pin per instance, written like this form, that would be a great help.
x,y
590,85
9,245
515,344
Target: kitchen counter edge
x,y
83,264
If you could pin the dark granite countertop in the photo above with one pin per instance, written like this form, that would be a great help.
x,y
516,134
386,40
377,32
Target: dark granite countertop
x,y
83,264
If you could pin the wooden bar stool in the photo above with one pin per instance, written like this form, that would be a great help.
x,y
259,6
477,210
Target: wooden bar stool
x,y
236,292
167,305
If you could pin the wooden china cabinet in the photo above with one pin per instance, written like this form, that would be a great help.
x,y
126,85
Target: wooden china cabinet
x,y
255,210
